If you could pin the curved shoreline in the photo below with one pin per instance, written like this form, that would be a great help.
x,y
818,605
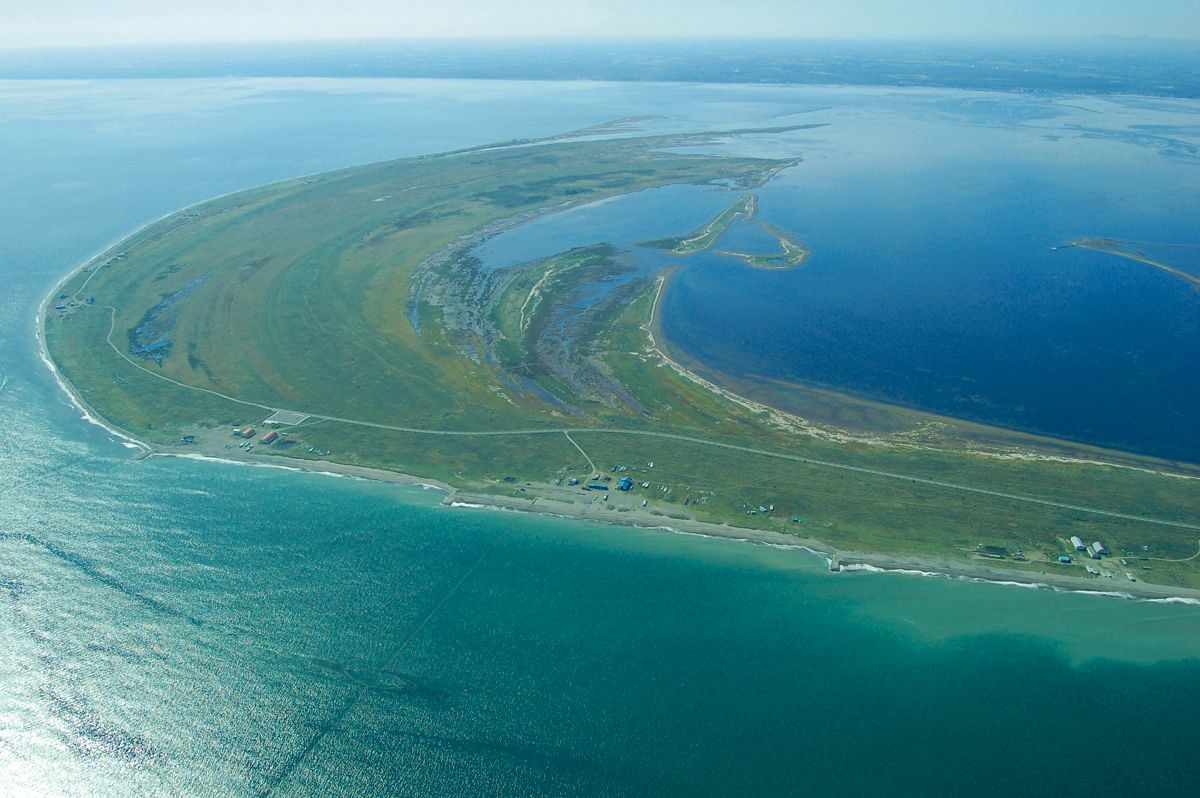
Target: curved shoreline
x,y
457,498
891,563
660,347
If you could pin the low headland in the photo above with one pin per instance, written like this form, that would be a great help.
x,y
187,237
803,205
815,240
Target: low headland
x,y
1136,252
342,323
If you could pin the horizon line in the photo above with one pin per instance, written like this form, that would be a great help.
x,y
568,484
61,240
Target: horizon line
x,y
964,39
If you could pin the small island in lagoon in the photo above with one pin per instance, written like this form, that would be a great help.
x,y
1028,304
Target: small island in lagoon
x,y
793,253
343,322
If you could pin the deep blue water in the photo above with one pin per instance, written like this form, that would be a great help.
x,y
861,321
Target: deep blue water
x,y
175,627
935,284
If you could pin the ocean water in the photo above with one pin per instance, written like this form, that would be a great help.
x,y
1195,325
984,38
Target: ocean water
x,y
178,627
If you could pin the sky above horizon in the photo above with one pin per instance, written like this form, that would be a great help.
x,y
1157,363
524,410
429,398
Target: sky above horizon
x,y
86,22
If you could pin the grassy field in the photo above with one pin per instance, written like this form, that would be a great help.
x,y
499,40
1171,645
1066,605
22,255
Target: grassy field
x,y
353,297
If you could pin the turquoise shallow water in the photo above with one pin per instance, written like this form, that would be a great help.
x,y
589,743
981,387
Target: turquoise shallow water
x,y
173,627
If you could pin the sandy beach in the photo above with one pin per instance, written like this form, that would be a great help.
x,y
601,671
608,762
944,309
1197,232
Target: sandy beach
x,y
554,502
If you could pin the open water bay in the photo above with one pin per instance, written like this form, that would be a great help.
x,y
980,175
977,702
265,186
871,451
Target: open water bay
x,y
941,276
177,627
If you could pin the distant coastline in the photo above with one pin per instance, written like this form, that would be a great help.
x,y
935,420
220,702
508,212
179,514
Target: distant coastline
x,y
1085,65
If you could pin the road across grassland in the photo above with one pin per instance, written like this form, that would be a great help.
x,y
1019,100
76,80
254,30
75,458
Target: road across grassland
x,y
569,431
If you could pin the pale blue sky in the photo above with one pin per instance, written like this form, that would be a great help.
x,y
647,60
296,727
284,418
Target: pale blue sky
x,y
85,22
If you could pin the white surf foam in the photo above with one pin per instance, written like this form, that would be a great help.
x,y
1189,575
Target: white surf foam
x,y
868,568
473,506
1175,600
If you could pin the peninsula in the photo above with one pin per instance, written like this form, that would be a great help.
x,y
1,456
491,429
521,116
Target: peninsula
x,y
1132,250
343,322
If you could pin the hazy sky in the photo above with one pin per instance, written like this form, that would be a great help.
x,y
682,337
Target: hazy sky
x,y
85,22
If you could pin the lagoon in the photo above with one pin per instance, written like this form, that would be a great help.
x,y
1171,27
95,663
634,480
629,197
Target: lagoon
x,y
940,279
185,627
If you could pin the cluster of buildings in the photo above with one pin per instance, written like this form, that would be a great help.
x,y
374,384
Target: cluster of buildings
x,y
250,432
1094,550
625,484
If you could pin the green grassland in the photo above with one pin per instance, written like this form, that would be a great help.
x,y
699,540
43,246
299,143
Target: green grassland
x,y
352,296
